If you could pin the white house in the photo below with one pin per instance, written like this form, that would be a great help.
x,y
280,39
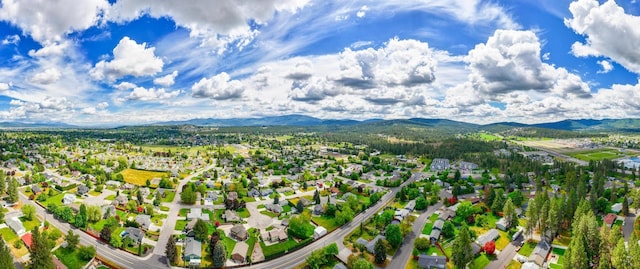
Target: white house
x,y
16,225
319,232
68,198
502,224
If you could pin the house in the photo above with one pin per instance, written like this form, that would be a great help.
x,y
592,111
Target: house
x,y
135,234
490,235
108,211
362,241
609,219
36,189
192,251
275,208
529,265
189,227
144,221
411,205
196,213
230,216
319,232
339,266
120,200
266,192
285,222
253,193
145,191
372,244
275,235
237,258
112,183
616,208
27,239
239,232
400,214
211,196
232,196
16,225
305,202
82,190
68,198
502,224
540,253
434,235
432,262
318,210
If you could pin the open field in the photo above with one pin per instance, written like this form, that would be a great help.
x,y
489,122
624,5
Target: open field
x,y
140,177
596,154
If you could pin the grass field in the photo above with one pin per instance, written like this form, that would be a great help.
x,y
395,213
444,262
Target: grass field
x,y
328,223
514,265
527,248
480,262
70,258
596,155
140,177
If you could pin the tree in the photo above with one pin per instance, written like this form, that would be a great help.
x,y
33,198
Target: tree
x,y
299,206
625,206
87,252
316,259
422,243
29,211
509,211
620,258
94,213
105,233
3,183
40,251
219,255
12,191
188,196
116,241
72,239
465,210
394,236
139,197
421,203
316,197
362,264
462,252
380,252
448,229
300,227
276,199
490,248
170,250
200,230
81,217
6,259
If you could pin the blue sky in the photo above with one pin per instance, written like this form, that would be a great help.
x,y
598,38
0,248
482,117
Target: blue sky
x,y
142,61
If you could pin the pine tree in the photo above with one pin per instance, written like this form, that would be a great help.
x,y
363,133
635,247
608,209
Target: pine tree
x,y
6,259
40,251
3,182
81,217
12,191
625,206
508,211
380,252
72,239
316,197
219,255
276,199
620,258
462,251
140,198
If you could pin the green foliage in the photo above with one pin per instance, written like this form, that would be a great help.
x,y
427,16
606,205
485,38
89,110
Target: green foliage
x,y
219,255
448,229
40,251
393,235
87,252
422,243
94,213
72,239
170,250
362,264
188,195
421,203
380,252
29,211
12,191
462,252
81,217
300,227
201,230
6,259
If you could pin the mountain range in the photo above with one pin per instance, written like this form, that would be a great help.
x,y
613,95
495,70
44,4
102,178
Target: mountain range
x,y
626,125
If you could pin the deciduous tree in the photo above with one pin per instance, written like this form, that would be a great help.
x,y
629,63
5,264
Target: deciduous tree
x,y
393,235
72,239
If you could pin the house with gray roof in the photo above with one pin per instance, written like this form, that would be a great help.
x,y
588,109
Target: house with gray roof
x,y
372,244
16,225
432,262
490,235
144,221
540,253
192,251
196,213
136,234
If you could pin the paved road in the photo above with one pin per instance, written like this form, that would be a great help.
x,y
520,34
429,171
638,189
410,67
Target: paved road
x,y
406,249
627,228
119,257
506,255
291,260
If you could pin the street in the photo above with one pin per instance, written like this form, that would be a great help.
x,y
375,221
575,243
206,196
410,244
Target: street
x,y
406,249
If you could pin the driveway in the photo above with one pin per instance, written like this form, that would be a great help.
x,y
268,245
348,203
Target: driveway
x,y
506,255
627,228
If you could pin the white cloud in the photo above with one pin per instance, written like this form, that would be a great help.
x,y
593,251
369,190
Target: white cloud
x,y
11,39
217,23
219,87
167,80
129,59
50,21
362,12
123,86
606,67
52,49
47,76
4,86
102,105
609,30
152,94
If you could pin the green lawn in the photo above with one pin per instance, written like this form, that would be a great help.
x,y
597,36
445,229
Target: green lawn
x,y
328,223
251,241
56,200
502,241
183,212
268,213
7,234
527,248
30,224
515,265
229,244
169,197
98,225
596,154
270,251
140,177
433,218
560,253
244,213
480,262
181,224
110,197
427,228
70,258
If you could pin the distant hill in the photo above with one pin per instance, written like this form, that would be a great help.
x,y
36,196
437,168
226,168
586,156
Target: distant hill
x,y
287,120
593,125
35,125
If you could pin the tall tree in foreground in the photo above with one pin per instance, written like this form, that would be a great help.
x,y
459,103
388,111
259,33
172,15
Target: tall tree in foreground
x,y
3,183
40,251
170,251
6,259
380,252
462,251
219,255
12,191
72,239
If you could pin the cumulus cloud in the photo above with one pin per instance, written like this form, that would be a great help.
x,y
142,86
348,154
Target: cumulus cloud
x,y
47,76
606,67
152,94
313,90
609,32
123,86
510,61
11,39
302,71
4,86
167,80
362,12
219,87
129,59
52,49
50,21
217,23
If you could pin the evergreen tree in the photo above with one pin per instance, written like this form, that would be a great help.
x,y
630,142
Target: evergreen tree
x,y
72,239
621,258
508,212
12,191
380,252
625,206
276,199
81,217
219,255
3,183
300,206
140,198
316,197
6,259
576,256
170,250
462,251
200,230
40,251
